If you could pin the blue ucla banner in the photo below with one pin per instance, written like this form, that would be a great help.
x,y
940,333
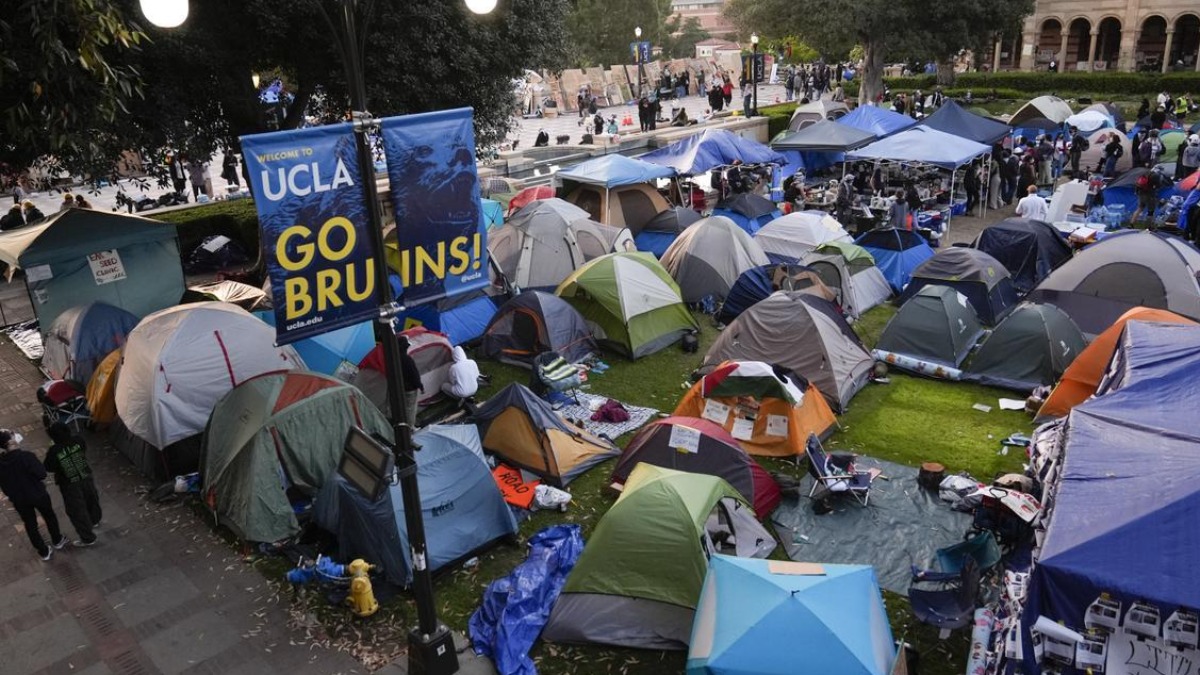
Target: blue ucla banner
x,y
314,222
441,237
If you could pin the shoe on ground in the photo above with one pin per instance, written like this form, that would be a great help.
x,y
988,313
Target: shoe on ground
x,y
79,543
62,541
48,554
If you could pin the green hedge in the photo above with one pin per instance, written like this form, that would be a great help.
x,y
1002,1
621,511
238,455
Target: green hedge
x,y
777,116
1028,85
235,219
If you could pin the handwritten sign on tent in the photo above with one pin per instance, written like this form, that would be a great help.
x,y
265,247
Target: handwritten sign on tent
x,y
106,267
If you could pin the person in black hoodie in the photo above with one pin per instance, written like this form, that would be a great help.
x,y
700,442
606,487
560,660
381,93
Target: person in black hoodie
x,y
22,479
67,460
412,383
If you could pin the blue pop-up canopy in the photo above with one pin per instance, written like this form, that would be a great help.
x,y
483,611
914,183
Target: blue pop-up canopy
x,y
613,170
876,121
924,145
767,617
1124,515
958,121
710,149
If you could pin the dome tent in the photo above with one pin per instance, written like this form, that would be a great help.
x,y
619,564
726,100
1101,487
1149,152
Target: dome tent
x,y
336,352
1029,249
804,334
101,389
1031,347
663,228
463,509
1094,156
790,238
275,434
640,575
784,409
757,283
708,258
749,211
715,453
897,253
81,336
630,303
430,350
532,323
615,189
850,269
974,274
934,329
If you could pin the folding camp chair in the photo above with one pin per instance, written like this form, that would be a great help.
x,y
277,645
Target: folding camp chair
x,y
836,473
63,401
943,599
553,373
982,548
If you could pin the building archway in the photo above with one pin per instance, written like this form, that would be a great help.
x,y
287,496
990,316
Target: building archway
x,y
1152,41
1108,43
1186,42
1049,43
1079,42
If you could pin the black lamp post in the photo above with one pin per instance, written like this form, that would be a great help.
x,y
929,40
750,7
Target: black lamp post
x,y
754,73
637,48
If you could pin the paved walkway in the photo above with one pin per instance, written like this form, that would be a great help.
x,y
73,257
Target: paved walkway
x,y
159,593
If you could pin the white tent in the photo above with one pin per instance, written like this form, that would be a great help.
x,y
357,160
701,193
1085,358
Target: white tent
x,y
789,238
178,362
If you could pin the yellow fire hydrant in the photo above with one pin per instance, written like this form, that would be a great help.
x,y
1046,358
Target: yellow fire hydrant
x,y
362,597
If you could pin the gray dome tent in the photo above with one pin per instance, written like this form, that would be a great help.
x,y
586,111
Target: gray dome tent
x,y
536,322
1122,271
935,327
1031,347
709,256
980,277
804,334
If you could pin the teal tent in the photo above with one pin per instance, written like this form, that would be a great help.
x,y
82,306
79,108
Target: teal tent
x,y
80,256
767,617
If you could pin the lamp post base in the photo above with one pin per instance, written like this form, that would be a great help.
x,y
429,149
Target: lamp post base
x,y
432,654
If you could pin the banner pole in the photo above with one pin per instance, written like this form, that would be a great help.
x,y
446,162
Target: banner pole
x,y
430,645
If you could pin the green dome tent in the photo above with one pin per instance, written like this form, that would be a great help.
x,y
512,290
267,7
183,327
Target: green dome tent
x,y
630,302
639,579
275,433
1030,347
935,329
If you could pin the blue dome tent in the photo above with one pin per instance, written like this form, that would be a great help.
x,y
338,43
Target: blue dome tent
x,y
326,353
749,212
81,337
897,253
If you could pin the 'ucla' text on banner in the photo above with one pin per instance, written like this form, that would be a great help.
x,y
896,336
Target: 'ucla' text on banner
x,y
314,222
440,244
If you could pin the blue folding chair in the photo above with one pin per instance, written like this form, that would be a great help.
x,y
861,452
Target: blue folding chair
x,y
836,473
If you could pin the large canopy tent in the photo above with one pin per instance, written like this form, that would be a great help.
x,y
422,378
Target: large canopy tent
x,y
936,327
1138,434
1050,108
955,120
1127,269
876,121
1031,347
709,256
819,145
463,509
1029,249
773,617
801,333
79,256
922,145
615,189
710,149
275,436
640,576
978,276
1080,380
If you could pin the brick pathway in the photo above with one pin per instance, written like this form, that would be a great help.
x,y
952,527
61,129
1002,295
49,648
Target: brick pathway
x,y
159,593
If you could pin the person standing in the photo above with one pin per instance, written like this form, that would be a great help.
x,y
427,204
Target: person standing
x,y
177,174
67,460
1008,176
1150,149
1191,156
746,100
993,191
198,174
22,479
229,167
412,383
1079,143
1112,152
1032,206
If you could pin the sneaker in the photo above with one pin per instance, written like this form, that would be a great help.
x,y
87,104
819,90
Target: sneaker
x,y
79,543
48,554
62,541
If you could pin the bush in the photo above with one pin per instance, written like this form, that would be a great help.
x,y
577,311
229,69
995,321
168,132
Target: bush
x,y
777,116
1021,85
235,219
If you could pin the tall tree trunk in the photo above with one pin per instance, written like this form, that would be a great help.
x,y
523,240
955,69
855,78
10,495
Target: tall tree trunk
x,y
872,72
945,72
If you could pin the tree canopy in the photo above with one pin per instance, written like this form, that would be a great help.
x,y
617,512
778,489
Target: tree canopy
x,y
601,30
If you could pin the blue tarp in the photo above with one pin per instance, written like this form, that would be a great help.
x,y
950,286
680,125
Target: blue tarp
x,y
613,170
953,119
326,352
462,507
710,149
897,253
492,212
1135,450
876,121
924,145
1123,190
463,318
768,617
656,243
515,608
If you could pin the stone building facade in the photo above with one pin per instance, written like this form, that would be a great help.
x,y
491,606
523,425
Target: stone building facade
x,y
1115,35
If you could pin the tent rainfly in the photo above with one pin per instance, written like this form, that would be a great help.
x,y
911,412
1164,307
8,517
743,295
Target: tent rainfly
x,y
1050,108
932,333
790,238
750,211
878,122
957,121
709,256
1031,347
971,272
757,283
535,322
615,190
1029,249
81,337
851,269
710,149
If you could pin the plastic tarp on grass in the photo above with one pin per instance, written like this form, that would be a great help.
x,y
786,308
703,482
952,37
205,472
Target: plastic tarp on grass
x,y
904,526
876,121
462,507
955,120
516,607
710,149
924,145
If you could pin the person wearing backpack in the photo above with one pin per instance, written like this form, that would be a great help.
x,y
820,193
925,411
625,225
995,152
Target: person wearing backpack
x,y
1146,188
1079,145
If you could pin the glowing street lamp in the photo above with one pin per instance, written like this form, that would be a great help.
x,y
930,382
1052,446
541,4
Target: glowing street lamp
x,y
165,13
481,6
754,73
637,32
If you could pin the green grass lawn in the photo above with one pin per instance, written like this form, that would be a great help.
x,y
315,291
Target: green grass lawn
x,y
909,421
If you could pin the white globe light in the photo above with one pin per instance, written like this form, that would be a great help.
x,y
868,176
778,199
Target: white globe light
x,y
481,6
165,13
638,31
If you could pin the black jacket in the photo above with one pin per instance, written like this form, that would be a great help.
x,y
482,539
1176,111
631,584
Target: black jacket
x,y
412,376
12,220
68,461
21,476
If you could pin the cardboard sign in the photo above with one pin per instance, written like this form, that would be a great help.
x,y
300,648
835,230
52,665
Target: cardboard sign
x,y
106,267
715,411
777,425
743,429
516,490
684,439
